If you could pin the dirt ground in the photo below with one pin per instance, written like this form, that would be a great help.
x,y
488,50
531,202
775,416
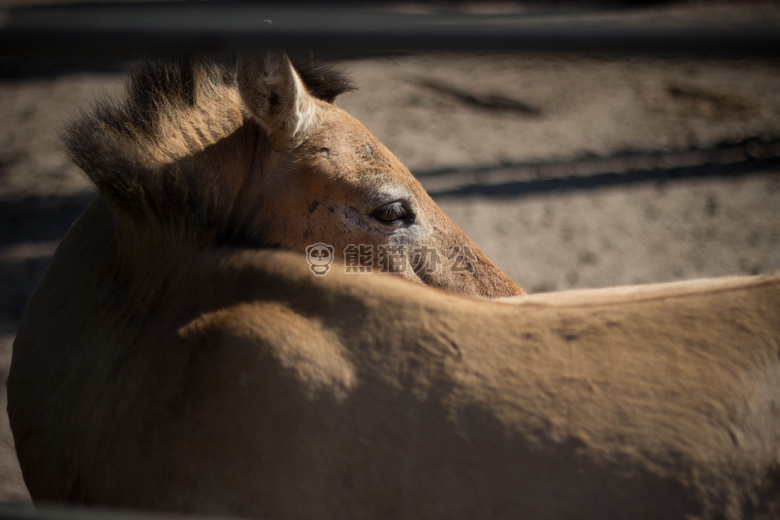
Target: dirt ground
x,y
568,171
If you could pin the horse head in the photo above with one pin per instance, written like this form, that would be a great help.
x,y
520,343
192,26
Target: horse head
x,y
262,157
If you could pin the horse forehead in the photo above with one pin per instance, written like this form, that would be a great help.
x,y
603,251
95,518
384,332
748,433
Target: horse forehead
x,y
353,149
341,130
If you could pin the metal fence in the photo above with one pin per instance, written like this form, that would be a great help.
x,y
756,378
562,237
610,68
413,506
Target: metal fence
x,y
351,30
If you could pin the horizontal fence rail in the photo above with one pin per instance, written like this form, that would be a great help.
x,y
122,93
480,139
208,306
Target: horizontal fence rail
x,y
129,29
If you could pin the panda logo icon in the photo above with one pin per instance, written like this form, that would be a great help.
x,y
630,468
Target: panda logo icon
x,y
319,256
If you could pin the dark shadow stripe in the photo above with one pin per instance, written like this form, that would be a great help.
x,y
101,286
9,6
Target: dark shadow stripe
x,y
621,168
40,218
18,278
538,187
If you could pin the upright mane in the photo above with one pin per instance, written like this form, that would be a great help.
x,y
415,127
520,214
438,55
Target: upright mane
x,y
156,151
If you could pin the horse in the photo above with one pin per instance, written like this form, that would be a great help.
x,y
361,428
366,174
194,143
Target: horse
x,y
182,355
208,152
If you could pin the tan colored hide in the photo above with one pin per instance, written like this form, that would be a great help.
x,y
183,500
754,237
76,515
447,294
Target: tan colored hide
x,y
235,382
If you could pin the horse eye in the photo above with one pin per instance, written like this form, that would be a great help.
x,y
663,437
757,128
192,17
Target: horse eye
x,y
393,213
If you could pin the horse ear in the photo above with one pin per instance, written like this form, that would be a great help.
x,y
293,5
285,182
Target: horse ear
x,y
277,98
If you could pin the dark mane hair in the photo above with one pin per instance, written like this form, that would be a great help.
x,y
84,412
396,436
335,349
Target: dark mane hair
x,y
176,83
321,79
154,152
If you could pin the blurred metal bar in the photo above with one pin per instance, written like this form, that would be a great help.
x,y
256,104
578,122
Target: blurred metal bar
x,y
129,30
70,512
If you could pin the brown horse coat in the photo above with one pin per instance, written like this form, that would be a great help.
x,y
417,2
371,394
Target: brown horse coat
x,y
235,382
175,358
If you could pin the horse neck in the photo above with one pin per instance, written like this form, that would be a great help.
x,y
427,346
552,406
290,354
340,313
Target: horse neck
x,y
194,201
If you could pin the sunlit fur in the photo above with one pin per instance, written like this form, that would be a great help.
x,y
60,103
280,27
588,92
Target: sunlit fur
x,y
201,153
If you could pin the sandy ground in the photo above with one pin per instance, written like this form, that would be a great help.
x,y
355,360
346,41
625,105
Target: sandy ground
x,y
589,171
